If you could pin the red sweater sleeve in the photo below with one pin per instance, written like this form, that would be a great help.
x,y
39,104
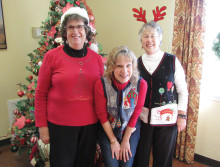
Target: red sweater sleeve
x,y
140,103
43,85
100,102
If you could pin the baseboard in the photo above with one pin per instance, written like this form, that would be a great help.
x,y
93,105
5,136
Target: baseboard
x,y
5,142
207,161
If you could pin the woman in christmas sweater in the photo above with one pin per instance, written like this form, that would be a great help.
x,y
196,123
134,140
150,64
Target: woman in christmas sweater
x,y
119,97
64,99
164,111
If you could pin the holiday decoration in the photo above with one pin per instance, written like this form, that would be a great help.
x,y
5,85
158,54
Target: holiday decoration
x,y
20,123
30,77
158,14
33,139
28,121
24,134
216,46
16,112
20,93
14,148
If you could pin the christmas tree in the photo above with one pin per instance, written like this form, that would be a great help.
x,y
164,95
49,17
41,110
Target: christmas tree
x,y
24,134
216,46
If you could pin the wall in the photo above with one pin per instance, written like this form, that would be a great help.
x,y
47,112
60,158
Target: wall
x,y
115,25
19,18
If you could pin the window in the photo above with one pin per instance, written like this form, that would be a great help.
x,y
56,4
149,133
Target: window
x,y
210,87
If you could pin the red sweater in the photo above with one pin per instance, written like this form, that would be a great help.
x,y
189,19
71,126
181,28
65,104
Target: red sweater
x,y
101,101
65,88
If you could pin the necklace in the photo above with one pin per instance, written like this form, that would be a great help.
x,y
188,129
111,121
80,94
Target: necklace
x,y
80,60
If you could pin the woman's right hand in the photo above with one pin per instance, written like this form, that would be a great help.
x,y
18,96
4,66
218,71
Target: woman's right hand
x,y
115,148
44,134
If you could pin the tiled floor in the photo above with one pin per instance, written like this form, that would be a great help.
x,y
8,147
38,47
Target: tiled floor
x,y
9,159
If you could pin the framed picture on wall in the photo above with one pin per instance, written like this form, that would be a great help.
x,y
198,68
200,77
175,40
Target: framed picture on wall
x,y
3,44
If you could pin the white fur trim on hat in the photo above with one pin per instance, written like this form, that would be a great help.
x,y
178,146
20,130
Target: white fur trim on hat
x,y
76,10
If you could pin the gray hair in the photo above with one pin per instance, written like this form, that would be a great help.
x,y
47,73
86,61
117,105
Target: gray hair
x,y
113,57
67,19
153,25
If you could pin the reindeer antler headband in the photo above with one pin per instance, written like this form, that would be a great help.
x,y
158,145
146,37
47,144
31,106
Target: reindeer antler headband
x,y
158,14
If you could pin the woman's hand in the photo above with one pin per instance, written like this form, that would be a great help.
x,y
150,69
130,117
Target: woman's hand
x,y
115,148
44,134
125,151
181,124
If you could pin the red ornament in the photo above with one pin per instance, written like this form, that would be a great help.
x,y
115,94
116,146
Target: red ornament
x,y
77,3
28,121
20,93
30,96
30,77
22,141
16,112
57,2
34,139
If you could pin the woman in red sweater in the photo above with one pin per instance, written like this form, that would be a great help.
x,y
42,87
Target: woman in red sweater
x,y
119,97
64,99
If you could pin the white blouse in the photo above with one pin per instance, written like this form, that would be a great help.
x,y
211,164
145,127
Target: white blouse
x,y
151,62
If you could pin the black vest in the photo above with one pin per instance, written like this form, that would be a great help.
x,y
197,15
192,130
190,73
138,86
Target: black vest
x,y
161,86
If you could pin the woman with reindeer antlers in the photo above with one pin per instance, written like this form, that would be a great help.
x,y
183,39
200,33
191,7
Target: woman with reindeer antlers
x,y
164,112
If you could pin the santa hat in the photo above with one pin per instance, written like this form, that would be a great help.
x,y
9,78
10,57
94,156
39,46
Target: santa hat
x,y
75,10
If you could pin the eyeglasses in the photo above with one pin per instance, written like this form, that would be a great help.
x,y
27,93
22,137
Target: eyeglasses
x,y
78,27
150,36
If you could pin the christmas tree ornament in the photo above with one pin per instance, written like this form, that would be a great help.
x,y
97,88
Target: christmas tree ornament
x,y
35,71
20,93
28,121
14,148
22,141
30,77
34,139
30,96
39,63
62,3
16,112
57,1
32,110
77,3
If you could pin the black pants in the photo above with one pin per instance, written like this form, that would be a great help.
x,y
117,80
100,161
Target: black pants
x,y
72,146
162,140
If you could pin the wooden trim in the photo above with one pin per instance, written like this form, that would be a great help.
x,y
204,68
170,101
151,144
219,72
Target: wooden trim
x,y
207,161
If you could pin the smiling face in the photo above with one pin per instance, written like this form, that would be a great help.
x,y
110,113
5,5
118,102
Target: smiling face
x,y
76,34
123,69
150,40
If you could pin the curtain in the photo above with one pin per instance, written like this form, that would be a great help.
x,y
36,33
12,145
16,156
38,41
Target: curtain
x,y
188,43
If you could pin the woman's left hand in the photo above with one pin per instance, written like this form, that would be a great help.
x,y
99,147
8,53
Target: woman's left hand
x,y
181,124
125,151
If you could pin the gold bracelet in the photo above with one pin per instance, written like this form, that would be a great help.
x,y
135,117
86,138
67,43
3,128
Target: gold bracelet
x,y
114,141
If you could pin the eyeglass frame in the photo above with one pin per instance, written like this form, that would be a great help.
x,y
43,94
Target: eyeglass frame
x,y
78,27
